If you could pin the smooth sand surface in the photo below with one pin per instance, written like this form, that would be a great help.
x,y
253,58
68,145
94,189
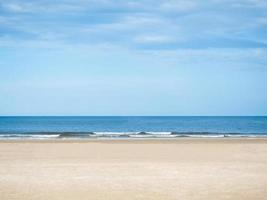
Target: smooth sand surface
x,y
138,169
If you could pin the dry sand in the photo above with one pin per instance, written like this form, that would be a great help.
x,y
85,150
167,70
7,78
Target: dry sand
x,y
137,169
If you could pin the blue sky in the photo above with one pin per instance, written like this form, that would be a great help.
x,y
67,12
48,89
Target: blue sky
x,y
125,57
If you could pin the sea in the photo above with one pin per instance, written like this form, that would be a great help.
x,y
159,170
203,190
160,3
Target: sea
x,y
84,127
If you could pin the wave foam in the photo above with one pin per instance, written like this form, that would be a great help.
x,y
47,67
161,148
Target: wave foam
x,y
142,134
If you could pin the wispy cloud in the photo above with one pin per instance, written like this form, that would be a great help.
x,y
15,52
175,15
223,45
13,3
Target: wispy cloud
x,y
154,39
14,7
178,6
163,51
144,24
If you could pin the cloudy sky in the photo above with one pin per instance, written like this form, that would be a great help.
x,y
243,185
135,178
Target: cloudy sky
x,y
126,57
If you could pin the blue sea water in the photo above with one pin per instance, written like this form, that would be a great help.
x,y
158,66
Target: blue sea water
x,y
87,127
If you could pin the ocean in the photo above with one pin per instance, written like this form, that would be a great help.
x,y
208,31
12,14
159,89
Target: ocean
x,y
131,127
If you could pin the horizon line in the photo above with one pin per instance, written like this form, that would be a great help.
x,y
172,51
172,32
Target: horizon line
x,y
133,115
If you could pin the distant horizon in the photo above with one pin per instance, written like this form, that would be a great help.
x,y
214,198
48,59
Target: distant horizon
x,y
109,126
133,115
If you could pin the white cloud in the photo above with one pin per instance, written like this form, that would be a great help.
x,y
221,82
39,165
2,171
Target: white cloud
x,y
130,23
154,39
41,7
178,5
251,3
254,59
125,23
15,7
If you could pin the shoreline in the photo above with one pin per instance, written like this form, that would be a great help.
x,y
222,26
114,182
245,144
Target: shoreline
x,y
123,135
136,140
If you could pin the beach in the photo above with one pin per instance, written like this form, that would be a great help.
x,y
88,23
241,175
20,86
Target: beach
x,y
182,168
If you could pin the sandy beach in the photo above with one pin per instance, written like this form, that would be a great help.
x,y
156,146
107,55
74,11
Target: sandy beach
x,y
134,169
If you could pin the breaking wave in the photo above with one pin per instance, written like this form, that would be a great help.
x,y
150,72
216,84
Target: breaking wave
x,y
141,134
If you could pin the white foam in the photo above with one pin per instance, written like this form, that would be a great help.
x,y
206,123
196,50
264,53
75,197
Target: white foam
x,y
25,136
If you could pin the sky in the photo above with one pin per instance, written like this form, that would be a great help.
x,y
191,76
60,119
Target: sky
x,y
126,57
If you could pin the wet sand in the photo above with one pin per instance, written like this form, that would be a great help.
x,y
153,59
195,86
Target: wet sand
x,y
134,169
